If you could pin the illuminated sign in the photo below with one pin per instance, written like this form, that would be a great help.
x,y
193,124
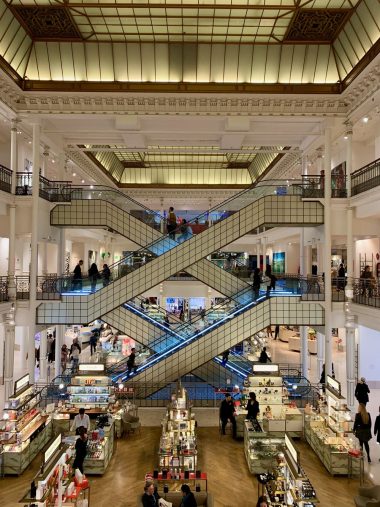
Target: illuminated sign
x,y
91,367
265,368
333,384
52,448
21,383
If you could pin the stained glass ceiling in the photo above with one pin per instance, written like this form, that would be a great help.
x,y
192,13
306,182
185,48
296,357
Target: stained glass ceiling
x,y
287,42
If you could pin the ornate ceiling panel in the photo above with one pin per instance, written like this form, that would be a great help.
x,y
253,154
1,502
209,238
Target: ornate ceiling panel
x,y
118,43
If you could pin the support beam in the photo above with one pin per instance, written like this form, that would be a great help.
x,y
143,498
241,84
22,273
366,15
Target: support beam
x,y
327,251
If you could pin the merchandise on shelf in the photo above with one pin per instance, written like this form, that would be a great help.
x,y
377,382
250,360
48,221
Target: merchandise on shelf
x,y
24,428
55,484
91,388
329,432
178,444
261,449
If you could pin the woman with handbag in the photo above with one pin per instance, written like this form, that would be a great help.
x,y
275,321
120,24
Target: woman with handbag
x,y
362,428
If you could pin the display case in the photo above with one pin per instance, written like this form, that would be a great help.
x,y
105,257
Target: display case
x,y
178,443
287,484
170,482
54,484
260,448
329,434
91,388
24,428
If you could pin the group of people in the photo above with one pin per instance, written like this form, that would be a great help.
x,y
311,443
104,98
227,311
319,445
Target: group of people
x,y
257,280
172,227
151,498
93,274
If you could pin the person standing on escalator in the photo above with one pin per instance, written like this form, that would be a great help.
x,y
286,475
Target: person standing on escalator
x,y
256,282
172,223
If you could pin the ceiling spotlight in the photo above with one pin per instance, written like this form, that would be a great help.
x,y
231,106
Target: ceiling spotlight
x,y
74,174
91,186
61,386
345,136
29,142
82,181
121,386
365,119
52,161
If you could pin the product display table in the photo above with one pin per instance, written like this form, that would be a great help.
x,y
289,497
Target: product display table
x,y
295,344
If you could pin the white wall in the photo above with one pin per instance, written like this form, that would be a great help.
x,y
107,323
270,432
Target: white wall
x,y
4,249
369,354
366,247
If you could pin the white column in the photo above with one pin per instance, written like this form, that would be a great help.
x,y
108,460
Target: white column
x,y
327,252
34,248
42,247
12,215
258,254
162,213
349,317
320,353
303,329
264,254
45,161
43,356
9,352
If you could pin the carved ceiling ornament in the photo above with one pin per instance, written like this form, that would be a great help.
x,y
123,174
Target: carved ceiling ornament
x,y
47,23
316,25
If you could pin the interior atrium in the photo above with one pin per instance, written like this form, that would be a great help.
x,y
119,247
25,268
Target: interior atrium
x,y
190,214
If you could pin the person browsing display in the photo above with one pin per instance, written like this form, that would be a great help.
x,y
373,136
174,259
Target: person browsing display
x,y
81,420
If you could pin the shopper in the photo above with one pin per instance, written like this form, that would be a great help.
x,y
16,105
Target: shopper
x,y
272,279
106,275
225,356
366,282
269,331
376,429
93,275
182,315
362,391
150,497
81,420
166,322
362,428
131,361
74,354
262,502
227,412
64,356
188,498
37,356
77,277
256,282
80,449
50,348
341,282
264,358
93,342
277,332
253,406
171,223
186,231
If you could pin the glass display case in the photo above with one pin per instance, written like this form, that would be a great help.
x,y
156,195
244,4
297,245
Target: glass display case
x,y
24,428
330,434
261,449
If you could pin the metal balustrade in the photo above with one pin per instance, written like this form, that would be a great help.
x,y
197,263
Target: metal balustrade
x,y
313,186
4,289
5,179
365,178
53,191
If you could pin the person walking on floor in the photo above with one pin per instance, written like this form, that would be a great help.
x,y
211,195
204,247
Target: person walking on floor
x,y
93,274
77,277
277,332
93,342
362,428
51,348
341,282
362,391
376,429
227,412
264,358
74,354
269,332
253,406
106,275
80,449
172,223
64,356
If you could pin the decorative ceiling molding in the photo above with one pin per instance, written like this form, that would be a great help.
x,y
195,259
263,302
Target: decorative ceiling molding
x,y
316,25
88,167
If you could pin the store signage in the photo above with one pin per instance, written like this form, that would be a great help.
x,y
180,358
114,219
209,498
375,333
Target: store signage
x,y
52,448
333,384
291,449
91,367
265,368
21,383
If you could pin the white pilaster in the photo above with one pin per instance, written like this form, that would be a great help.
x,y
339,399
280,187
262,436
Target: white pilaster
x,y
43,356
264,252
303,329
12,216
9,352
320,353
59,337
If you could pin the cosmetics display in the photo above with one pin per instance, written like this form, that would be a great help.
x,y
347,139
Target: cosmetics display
x,y
261,449
91,388
178,443
55,483
276,412
329,430
24,428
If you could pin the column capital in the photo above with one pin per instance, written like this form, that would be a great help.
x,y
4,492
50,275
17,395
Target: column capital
x,y
14,123
46,152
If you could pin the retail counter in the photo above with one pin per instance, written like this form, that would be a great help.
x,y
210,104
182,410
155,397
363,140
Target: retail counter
x,y
294,343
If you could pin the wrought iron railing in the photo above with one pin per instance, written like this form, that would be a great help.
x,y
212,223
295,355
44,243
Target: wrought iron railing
x,y
5,179
53,191
313,186
366,177
4,289
365,291
22,286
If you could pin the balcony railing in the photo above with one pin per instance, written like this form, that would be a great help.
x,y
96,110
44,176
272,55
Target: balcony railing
x,y
313,186
366,178
5,179
4,289
53,191
366,291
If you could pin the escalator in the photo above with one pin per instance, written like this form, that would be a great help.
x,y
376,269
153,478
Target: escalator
x,y
170,257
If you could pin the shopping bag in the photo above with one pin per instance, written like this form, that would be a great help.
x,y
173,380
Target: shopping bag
x,y
164,503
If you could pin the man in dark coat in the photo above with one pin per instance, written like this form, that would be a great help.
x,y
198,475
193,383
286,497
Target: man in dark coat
x,y
227,412
362,391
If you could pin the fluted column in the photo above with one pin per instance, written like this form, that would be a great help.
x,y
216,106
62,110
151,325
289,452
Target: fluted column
x,y
12,215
